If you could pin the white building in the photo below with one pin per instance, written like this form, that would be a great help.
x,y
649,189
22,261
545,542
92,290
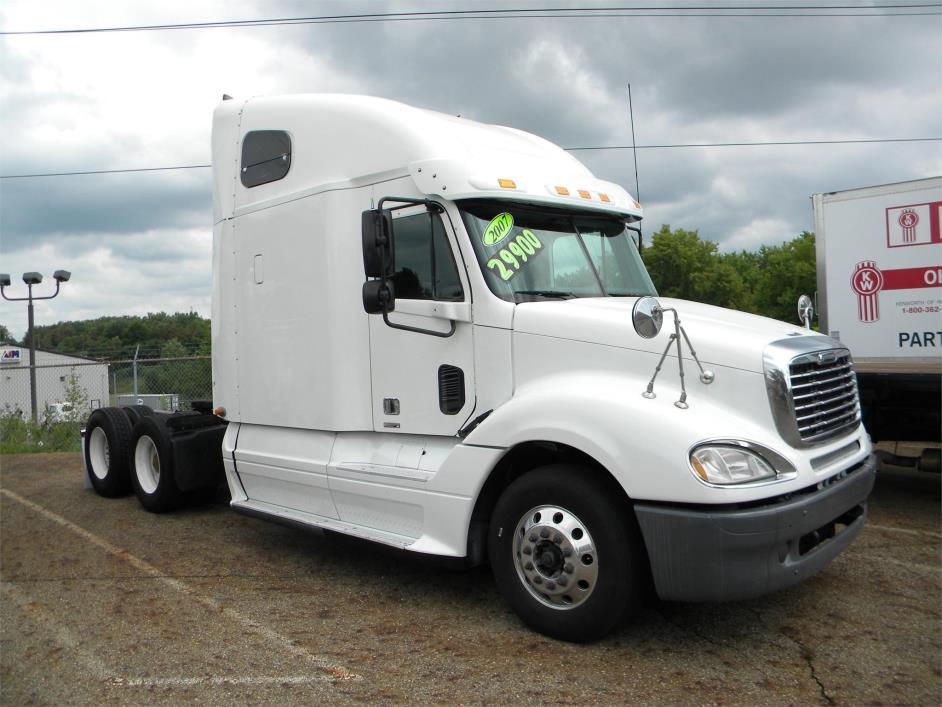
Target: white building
x,y
53,374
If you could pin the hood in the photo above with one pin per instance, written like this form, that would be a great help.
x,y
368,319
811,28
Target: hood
x,y
721,337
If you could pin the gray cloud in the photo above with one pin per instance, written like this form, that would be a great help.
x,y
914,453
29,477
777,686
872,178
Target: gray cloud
x,y
66,207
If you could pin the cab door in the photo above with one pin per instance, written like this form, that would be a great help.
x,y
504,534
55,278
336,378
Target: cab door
x,y
423,374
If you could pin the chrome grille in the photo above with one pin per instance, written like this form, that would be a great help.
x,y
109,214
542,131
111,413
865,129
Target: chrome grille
x,y
824,394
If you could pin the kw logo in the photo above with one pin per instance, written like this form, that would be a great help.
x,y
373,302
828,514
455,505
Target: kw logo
x,y
908,220
867,281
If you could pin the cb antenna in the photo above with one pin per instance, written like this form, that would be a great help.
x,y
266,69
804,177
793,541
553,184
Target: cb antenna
x,y
634,150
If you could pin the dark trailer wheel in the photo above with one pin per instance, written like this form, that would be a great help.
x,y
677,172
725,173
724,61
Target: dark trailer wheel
x,y
107,438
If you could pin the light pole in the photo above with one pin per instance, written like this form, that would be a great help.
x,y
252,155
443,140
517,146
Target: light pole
x,y
33,278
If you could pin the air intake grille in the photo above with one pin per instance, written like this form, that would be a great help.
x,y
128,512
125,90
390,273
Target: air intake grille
x,y
824,394
450,389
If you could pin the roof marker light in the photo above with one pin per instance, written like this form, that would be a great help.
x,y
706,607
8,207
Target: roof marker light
x,y
584,194
562,191
637,204
507,183
605,197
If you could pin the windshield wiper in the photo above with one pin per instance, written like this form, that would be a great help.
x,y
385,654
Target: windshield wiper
x,y
545,293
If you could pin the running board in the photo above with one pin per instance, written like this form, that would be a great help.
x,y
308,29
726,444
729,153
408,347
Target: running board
x,y
309,521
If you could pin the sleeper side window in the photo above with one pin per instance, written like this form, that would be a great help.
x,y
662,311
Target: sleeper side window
x,y
266,157
425,266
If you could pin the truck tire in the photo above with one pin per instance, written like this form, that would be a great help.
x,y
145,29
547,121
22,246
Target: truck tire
x,y
151,456
107,438
565,553
136,412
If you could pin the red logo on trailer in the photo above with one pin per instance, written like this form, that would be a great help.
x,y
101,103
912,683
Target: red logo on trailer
x,y
913,224
908,220
868,280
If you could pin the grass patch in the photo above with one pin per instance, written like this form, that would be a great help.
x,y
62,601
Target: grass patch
x,y
19,435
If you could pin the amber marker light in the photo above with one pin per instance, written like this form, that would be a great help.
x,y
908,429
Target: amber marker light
x,y
605,197
220,411
584,194
698,467
507,183
562,191
637,204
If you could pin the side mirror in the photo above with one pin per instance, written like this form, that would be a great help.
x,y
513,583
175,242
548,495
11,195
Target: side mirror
x,y
379,253
805,310
647,317
379,296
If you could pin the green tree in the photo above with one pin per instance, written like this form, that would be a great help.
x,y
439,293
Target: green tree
x,y
747,264
5,336
77,397
786,271
682,265
118,337
173,349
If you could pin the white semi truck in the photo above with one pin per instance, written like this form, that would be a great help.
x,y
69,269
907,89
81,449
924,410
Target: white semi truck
x,y
440,335
879,260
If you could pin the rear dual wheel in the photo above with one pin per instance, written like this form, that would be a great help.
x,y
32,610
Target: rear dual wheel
x,y
107,434
129,448
566,553
152,465
136,412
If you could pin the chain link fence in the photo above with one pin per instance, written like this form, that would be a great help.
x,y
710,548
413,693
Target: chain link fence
x,y
67,391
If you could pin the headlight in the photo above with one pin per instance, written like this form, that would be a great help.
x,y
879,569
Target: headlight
x,y
724,465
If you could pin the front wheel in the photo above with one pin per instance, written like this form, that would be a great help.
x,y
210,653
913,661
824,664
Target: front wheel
x,y
565,553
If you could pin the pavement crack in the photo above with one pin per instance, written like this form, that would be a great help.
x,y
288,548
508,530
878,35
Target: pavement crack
x,y
693,630
814,675
706,638
806,654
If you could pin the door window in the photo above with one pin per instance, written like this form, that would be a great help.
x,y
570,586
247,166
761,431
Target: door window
x,y
425,266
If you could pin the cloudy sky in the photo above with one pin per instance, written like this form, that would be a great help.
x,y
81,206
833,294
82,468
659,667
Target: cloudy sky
x,y
141,242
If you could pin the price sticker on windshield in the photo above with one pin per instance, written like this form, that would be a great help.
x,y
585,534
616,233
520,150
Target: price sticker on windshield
x,y
498,229
512,257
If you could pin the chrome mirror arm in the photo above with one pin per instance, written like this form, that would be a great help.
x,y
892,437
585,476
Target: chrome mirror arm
x,y
706,377
649,392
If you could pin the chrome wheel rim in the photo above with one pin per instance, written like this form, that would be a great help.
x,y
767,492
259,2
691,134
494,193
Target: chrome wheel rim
x,y
147,464
99,453
555,557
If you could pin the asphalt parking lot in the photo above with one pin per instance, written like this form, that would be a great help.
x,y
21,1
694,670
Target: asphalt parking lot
x,y
103,603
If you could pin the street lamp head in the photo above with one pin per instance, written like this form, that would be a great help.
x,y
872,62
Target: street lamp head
x,y
4,279
32,278
62,275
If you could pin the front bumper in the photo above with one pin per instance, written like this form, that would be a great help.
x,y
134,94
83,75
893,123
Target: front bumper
x,y
724,555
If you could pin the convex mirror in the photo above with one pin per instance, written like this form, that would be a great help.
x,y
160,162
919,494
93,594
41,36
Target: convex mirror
x,y
805,310
647,317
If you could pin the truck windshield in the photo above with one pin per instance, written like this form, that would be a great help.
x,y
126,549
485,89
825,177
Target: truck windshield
x,y
529,252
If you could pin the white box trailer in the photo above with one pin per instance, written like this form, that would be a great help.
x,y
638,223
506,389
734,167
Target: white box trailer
x,y
440,335
879,261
